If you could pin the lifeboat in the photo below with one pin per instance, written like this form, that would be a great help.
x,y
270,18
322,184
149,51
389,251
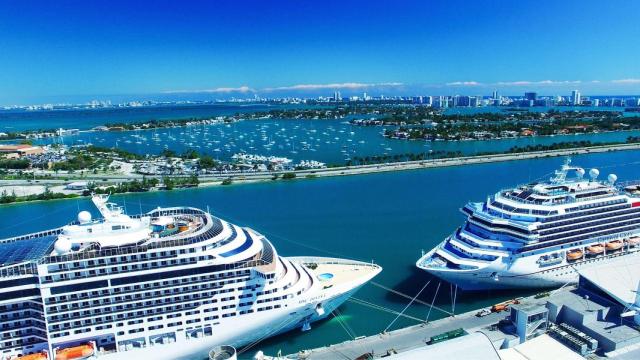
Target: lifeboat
x,y
36,356
634,241
574,255
614,245
182,227
75,352
595,249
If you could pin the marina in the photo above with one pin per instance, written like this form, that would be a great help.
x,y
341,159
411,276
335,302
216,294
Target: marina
x,y
329,141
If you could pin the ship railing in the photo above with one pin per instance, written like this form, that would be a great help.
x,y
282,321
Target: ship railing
x,y
52,232
16,270
331,261
550,243
212,232
568,200
623,184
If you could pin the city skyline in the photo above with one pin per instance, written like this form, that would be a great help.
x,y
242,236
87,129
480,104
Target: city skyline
x,y
74,52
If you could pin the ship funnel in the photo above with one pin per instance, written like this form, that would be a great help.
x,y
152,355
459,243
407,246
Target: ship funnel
x,y
612,178
593,173
580,172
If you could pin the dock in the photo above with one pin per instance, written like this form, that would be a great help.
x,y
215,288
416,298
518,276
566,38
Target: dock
x,y
597,318
416,336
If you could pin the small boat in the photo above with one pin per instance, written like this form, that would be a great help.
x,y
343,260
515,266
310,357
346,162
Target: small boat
x,y
183,226
547,260
35,356
614,245
75,352
633,241
595,249
574,255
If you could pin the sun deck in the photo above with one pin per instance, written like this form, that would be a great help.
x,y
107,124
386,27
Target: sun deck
x,y
333,273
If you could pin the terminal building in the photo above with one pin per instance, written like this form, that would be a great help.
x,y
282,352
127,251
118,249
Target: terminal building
x,y
20,150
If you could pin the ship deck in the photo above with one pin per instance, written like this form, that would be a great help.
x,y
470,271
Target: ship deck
x,y
332,274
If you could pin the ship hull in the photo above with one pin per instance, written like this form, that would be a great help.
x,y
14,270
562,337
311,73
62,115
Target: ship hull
x,y
521,273
241,333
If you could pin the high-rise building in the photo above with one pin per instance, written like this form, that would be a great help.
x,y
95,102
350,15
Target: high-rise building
x,y
575,97
532,96
495,95
428,100
463,101
336,96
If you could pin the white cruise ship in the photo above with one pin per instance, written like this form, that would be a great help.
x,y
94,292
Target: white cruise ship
x,y
539,234
171,283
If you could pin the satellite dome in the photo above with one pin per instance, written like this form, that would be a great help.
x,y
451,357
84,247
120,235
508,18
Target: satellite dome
x,y
84,217
580,172
62,246
612,178
593,173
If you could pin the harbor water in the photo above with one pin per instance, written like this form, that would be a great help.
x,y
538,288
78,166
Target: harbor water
x,y
387,218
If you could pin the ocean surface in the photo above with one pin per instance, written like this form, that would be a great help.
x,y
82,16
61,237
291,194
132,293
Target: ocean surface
x,y
387,218
18,120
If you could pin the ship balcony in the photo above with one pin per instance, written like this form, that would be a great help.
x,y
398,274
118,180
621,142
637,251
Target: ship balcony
x,y
482,253
501,221
433,260
470,237
459,258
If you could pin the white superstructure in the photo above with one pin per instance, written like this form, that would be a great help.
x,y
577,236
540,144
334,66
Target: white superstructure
x,y
540,234
171,283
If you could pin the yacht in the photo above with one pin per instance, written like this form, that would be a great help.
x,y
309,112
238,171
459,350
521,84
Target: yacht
x,y
540,234
167,284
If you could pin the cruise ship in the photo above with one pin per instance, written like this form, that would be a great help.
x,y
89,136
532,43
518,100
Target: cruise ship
x,y
171,283
540,234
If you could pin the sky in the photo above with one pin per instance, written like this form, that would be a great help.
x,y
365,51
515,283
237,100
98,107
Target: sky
x,y
66,51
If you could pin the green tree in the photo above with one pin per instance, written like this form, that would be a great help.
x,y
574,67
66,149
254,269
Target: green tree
x,y
207,162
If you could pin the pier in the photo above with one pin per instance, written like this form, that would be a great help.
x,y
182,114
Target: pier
x,y
416,336
597,318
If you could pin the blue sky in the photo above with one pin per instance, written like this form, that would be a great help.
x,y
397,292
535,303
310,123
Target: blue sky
x,y
80,50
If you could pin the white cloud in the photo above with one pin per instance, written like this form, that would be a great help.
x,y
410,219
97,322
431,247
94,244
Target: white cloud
x,y
220,90
349,85
626,81
463,83
542,82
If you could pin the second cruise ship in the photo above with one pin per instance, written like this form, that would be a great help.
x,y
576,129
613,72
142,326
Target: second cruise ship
x,y
167,284
539,234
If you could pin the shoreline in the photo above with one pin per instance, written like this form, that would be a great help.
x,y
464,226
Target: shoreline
x,y
249,178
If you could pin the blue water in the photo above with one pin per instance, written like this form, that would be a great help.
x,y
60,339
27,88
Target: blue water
x,y
17,120
388,218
